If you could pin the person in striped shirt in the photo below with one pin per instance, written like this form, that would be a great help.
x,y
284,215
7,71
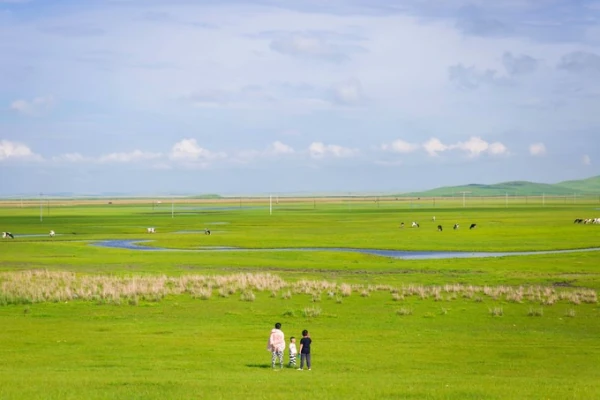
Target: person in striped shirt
x,y
293,352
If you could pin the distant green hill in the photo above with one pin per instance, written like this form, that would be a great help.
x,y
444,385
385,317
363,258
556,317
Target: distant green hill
x,y
589,185
518,188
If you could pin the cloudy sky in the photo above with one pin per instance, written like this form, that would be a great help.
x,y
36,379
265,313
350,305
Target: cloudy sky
x,y
240,96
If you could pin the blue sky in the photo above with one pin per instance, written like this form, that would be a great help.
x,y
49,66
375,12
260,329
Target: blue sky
x,y
234,96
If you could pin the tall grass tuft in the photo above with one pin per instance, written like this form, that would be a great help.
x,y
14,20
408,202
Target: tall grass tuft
x,y
404,311
535,312
345,290
311,312
397,296
247,295
570,313
496,311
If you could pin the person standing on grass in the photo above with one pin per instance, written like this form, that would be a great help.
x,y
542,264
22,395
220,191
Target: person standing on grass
x,y
293,352
276,345
305,350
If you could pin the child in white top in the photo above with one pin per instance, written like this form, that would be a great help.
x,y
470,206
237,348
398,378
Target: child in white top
x,y
293,352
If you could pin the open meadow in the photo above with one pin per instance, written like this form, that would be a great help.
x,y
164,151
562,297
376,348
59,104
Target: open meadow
x,y
188,314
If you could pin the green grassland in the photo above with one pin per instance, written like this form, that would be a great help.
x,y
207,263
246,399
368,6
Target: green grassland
x,y
80,321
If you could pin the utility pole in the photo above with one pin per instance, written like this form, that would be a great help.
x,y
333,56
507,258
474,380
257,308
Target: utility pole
x,y
464,193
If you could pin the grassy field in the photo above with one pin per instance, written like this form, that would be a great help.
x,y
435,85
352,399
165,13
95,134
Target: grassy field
x,y
81,321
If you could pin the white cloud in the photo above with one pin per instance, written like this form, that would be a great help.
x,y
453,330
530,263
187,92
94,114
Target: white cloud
x,y
16,151
133,156
497,148
320,150
189,150
586,160
32,107
280,148
537,149
434,146
400,146
475,146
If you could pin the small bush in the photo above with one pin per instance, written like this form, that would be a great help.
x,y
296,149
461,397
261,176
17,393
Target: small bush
x,y
289,313
286,295
443,311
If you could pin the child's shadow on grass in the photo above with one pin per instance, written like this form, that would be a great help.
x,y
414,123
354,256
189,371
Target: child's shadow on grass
x,y
264,366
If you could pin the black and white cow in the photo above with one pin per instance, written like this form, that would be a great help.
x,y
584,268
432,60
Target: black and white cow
x,y
455,227
207,231
415,224
473,226
151,230
52,234
440,228
6,235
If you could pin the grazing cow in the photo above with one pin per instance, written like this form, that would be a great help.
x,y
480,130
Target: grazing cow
x,y
415,224
455,227
578,221
433,219
402,225
151,230
440,228
52,233
473,226
207,231
596,221
6,235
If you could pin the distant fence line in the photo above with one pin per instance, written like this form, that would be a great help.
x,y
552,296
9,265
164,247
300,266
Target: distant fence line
x,y
469,200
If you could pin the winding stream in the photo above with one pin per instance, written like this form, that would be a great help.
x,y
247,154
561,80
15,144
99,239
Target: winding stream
x,y
398,254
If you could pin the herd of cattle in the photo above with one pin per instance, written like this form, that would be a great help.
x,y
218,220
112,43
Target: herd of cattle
x,y
414,224
440,228
587,221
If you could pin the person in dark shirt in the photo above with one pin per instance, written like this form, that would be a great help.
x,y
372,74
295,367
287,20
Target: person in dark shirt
x,y
305,350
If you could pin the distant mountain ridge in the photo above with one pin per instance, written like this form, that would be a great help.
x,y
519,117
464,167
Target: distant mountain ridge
x,y
587,186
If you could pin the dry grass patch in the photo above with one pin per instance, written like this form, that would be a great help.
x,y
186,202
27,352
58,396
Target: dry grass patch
x,y
27,287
